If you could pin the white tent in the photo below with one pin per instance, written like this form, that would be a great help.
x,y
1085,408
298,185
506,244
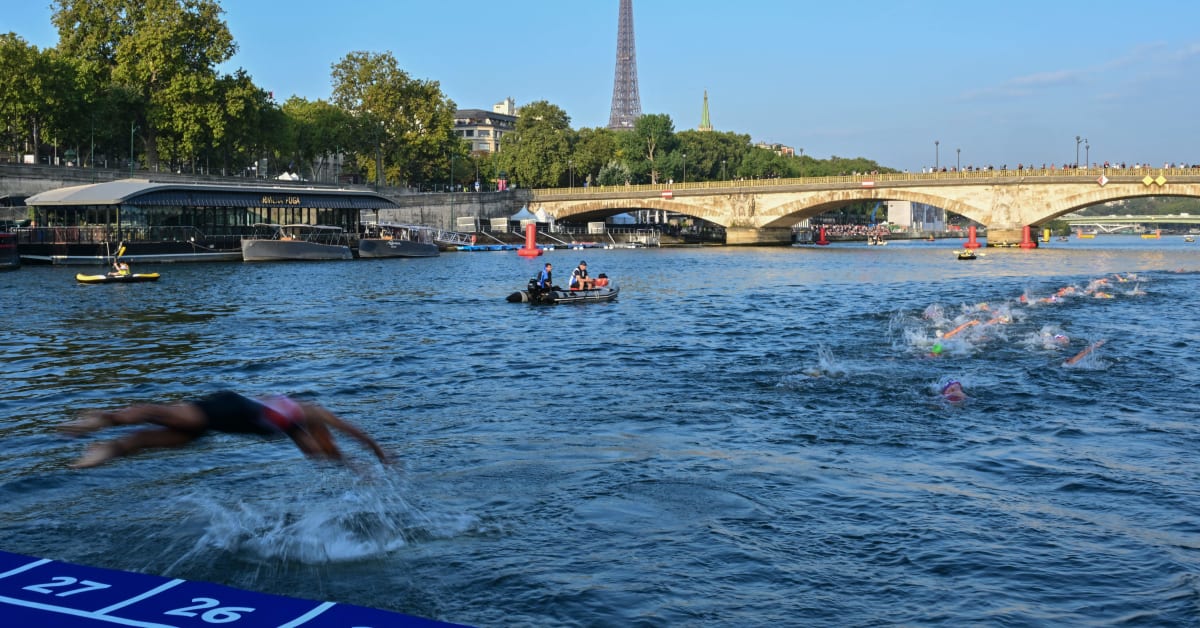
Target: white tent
x,y
523,215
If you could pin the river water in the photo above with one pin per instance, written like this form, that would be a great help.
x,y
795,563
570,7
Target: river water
x,y
745,437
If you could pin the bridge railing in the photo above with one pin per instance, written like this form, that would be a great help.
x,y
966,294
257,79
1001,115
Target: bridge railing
x,y
859,179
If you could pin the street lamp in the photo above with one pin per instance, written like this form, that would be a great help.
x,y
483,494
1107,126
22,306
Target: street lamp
x,y
571,170
132,127
1087,154
685,167
1077,141
723,170
958,159
936,162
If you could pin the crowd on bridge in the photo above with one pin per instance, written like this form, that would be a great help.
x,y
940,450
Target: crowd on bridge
x,y
1021,167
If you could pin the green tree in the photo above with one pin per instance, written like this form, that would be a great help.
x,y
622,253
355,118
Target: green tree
x,y
37,96
537,152
593,150
319,130
244,127
706,150
162,54
405,123
652,137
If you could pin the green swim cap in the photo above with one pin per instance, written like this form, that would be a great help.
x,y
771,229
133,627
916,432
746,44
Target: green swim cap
x,y
936,349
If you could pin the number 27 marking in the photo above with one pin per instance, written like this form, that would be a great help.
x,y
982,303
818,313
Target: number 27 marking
x,y
66,581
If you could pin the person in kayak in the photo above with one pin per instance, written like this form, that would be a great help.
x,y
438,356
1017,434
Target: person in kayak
x,y
306,424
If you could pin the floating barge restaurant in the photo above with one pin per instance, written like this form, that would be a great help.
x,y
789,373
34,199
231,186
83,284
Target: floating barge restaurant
x,y
176,222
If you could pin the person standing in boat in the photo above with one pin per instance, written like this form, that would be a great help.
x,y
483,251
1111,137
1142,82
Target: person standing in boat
x,y
306,424
580,279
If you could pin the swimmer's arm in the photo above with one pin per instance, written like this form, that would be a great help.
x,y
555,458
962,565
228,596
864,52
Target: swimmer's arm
x,y
332,420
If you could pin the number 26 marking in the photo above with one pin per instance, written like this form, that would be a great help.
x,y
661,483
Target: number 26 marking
x,y
66,581
222,615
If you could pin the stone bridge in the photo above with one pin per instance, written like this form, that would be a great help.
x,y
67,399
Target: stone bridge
x,y
764,211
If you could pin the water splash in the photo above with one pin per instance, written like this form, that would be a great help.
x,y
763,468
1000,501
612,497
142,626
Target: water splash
x,y
326,523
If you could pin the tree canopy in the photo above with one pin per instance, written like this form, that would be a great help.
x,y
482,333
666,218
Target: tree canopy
x,y
141,80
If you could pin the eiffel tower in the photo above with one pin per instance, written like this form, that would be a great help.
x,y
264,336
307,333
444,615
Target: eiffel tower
x,y
626,104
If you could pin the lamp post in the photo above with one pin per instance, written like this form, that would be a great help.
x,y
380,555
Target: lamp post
x,y
685,167
571,170
958,159
936,162
132,127
1077,141
1087,154
723,170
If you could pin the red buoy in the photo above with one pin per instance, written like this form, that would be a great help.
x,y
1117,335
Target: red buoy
x,y
530,249
972,243
1026,239
822,241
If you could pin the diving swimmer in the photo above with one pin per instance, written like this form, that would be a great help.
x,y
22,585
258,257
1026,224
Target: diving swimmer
x,y
306,424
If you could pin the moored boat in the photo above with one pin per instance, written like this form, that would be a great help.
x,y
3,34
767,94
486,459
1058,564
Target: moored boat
x,y
296,242
9,258
116,278
389,240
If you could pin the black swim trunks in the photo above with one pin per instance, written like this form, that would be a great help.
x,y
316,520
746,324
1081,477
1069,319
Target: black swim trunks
x,y
227,411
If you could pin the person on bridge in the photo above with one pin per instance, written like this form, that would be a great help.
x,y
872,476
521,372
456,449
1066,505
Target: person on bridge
x,y
580,279
306,424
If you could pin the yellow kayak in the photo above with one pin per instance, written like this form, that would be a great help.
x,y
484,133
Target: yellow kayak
x,y
131,278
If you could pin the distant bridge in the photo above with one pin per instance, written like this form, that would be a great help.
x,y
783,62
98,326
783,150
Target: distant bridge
x,y
1111,224
763,211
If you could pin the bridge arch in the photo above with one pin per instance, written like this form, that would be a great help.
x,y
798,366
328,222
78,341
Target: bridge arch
x,y
1076,202
800,209
600,209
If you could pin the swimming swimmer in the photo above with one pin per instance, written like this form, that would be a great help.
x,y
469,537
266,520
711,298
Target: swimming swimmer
x,y
953,392
1083,354
306,424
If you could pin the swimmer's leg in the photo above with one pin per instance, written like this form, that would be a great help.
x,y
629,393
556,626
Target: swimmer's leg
x,y
180,416
99,453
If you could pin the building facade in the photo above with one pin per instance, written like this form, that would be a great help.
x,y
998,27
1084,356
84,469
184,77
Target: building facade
x,y
485,129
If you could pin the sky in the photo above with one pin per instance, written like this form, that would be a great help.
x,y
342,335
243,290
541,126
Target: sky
x,y
992,83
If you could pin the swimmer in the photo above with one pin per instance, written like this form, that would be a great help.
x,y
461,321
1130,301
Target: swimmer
x,y
1083,354
953,392
935,350
956,330
306,424
1102,295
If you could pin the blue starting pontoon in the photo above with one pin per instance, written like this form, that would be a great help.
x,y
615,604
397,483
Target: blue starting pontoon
x,y
43,592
